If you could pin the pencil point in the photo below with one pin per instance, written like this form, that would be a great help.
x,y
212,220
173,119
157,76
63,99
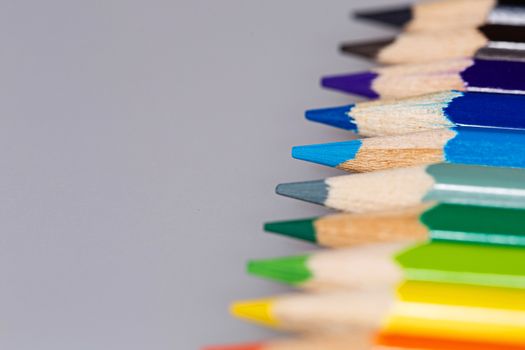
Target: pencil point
x,y
310,191
357,84
367,49
258,311
336,116
329,154
290,270
395,17
301,229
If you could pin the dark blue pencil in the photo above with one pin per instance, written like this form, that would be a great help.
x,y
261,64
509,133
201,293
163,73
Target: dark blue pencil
x,y
426,112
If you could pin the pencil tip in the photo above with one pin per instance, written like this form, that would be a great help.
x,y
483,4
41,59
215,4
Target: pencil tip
x,y
290,270
358,84
302,229
329,154
335,116
368,49
247,346
395,17
258,311
310,191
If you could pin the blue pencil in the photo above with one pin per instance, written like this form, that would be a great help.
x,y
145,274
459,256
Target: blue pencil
x,y
474,146
426,112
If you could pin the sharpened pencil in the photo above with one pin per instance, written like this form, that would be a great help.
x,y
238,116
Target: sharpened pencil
x,y
485,316
426,112
436,222
373,266
358,339
440,14
316,271
463,145
410,47
417,79
397,341
364,340
405,187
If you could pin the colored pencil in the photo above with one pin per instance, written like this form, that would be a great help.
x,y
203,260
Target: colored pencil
x,y
464,145
364,340
435,262
405,187
410,47
397,341
426,112
359,339
484,314
436,15
417,79
436,221
334,269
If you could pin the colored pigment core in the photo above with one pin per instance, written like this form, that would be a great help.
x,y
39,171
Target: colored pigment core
x,y
310,191
329,154
301,229
335,116
291,270
358,84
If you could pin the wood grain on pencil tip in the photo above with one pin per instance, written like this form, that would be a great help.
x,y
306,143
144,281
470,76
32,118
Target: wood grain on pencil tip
x,y
418,79
314,271
434,221
341,230
439,45
463,145
426,112
394,189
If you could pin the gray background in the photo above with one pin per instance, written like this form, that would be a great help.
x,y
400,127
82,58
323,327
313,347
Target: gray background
x,y
140,144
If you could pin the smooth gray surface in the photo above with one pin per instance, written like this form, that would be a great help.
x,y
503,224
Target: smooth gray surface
x,y
140,144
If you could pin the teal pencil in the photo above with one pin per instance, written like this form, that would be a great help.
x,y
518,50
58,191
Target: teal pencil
x,y
404,187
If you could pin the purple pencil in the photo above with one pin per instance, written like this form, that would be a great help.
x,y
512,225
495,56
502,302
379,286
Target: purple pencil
x,y
500,76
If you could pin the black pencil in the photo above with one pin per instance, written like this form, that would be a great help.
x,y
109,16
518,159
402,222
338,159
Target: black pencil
x,y
444,44
437,15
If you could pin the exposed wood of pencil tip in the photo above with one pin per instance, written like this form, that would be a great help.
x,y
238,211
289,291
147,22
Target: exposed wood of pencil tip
x,y
436,15
357,340
417,79
381,153
335,313
410,115
392,189
342,269
432,46
343,230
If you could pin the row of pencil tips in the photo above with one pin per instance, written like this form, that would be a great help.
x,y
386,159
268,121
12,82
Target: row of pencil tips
x,y
427,248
